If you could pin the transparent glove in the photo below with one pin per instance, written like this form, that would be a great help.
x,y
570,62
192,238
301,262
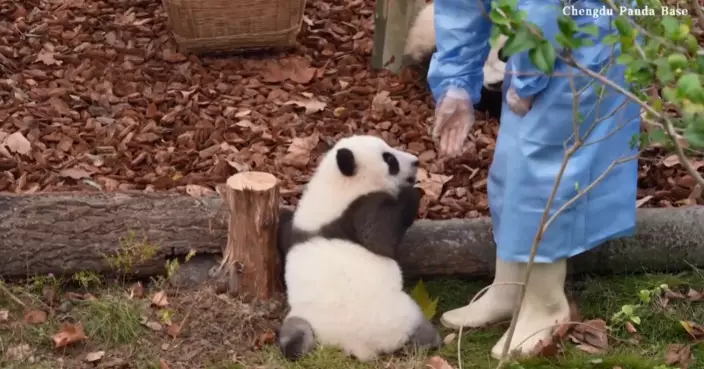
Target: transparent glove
x,y
454,116
518,105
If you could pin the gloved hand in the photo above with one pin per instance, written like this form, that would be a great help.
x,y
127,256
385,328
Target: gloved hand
x,y
518,105
454,116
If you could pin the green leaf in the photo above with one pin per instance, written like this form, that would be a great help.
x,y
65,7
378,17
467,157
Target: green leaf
x,y
543,57
664,71
657,135
567,25
671,25
521,41
591,29
566,42
497,17
677,60
623,26
689,85
694,136
692,44
635,319
420,295
610,39
624,59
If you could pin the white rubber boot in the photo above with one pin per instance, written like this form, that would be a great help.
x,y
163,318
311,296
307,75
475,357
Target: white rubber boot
x,y
498,302
544,306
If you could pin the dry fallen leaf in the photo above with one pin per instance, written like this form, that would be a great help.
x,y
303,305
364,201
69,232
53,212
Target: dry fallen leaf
x,y
311,105
591,349
694,329
299,152
266,338
548,348
69,334
671,161
35,317
137,290
17,143
173,329
694,295
382,102
163,364
630,328
678,354
75,173
153,325
159,299
199,191
431,184
436,362
297,69
94,356
4,315
47,58
449,338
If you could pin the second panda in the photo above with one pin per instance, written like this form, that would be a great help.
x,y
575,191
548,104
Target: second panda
x,y
344,286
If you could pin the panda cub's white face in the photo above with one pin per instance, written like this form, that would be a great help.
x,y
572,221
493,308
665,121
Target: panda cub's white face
x,y
355,166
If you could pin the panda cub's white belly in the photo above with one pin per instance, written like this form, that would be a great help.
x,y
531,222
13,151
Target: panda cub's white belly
x,y
352,297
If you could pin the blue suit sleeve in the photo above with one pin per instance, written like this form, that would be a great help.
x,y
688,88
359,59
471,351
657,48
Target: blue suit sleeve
x,y
528,80
462,32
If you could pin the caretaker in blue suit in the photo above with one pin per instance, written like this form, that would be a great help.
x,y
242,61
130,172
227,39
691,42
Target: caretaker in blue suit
x,y
536,128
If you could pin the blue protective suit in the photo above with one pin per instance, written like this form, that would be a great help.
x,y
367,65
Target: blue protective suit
x,y
530,149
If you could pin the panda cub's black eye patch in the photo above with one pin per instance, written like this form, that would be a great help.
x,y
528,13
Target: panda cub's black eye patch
x,y
392,163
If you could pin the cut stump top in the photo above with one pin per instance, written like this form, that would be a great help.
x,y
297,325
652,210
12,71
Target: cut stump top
x,y
255,181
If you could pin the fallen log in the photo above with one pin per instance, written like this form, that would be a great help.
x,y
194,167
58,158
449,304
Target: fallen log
x,y
63,233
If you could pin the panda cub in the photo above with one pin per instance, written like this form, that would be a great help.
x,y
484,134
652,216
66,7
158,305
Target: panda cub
x,y
344,286
420,45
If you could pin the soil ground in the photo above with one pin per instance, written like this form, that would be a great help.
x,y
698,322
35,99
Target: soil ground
x,y
134,327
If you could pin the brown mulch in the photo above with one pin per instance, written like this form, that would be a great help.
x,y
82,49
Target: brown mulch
x,y
95,96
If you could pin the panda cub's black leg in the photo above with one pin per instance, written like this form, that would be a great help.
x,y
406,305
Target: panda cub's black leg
x,y
425,337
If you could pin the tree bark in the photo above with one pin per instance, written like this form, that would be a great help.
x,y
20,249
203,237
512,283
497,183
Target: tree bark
x,y
251,257
63,233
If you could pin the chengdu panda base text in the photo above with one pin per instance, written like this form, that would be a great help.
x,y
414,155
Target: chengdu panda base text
x,y
344,285
420,45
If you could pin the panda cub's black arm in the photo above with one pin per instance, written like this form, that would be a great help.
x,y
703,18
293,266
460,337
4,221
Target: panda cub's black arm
x,y
381,221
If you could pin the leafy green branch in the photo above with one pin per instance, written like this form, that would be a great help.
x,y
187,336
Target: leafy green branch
x,y
663,59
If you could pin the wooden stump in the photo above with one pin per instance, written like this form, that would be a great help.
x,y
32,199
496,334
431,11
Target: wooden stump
x,y
251,258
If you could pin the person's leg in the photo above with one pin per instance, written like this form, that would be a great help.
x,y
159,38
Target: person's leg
x,y
544,307
497,303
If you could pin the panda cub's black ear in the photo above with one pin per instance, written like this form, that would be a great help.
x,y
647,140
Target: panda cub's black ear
x,y
345,161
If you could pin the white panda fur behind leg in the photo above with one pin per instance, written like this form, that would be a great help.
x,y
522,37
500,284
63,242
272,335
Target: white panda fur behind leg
x,y
420,45
420,41
334,285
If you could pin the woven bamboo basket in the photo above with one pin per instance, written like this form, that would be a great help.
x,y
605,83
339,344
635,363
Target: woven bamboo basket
x,y
204,26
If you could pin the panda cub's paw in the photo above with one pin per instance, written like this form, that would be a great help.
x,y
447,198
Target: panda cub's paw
x,y
409,200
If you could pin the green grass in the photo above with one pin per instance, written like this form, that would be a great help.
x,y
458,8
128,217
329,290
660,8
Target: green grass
x,y
596,298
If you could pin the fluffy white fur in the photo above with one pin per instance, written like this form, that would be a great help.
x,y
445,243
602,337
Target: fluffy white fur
x,y
352,298
420,44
